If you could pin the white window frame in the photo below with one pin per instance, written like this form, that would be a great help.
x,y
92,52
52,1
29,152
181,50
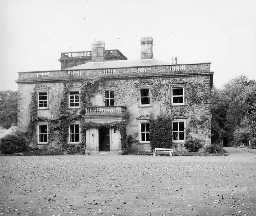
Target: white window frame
x,y
173,96
69,133
178,121
69,99
140,133
149,95
47,101
38,133
109,98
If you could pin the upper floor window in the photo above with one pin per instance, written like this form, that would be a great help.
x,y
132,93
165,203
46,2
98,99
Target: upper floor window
x,y
144,132
74,99
178,130
74,133
109,98
43,133
144,96
42,100
178,95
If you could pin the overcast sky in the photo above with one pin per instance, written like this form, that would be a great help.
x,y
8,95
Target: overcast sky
x,y
35,32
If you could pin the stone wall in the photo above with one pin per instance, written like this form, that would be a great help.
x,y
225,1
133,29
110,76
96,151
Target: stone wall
x,y
196,109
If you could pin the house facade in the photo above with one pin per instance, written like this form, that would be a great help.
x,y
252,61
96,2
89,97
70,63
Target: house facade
x,y
99,98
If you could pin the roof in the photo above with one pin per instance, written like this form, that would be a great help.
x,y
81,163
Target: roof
x,y
119,64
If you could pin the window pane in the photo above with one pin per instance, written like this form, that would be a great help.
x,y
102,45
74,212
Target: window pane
x,y
177,99
175,135
76,137
74,93
143,127
71,128
106,94
177,91
111,102
77,97
145,100
147,127
106,103
147,137
111,94
143,138
144,92
181,126
175,126
71,137
43,129
181,136
77,128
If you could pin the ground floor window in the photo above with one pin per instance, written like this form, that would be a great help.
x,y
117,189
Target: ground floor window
x,y
144,132
178,130
43,133
74,133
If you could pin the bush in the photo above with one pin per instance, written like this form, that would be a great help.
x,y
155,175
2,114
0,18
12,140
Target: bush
x,y
13,143
193,145
214,148
75,149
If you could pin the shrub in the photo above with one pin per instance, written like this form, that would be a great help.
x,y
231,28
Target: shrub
x,y
193,145
75,149
214,148
13,143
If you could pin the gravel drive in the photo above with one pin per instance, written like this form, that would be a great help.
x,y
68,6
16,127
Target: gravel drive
x,y
128,185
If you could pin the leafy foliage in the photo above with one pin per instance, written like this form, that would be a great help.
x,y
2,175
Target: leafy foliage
x,y
8,108
161,132
230,107
14,143
193,145
213,149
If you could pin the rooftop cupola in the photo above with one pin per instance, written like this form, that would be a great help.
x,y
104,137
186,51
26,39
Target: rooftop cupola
x,y
146,47
98,50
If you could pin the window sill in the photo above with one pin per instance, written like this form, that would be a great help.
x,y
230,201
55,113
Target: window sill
x,y
43,108
179,141
145,105
74,107
74,143
179,104
144,142
42,143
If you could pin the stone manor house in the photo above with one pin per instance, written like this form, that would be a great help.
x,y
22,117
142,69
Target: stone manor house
x,y
99,97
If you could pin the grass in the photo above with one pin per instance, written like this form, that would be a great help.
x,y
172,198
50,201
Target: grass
x,y
128,185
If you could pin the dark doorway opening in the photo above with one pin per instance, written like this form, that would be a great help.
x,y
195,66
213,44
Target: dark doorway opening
x,y
104,140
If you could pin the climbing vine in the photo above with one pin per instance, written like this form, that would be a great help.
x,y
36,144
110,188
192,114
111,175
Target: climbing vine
x,y
161,132
59,127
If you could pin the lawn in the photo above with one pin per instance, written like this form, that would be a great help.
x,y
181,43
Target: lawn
x,y
128,185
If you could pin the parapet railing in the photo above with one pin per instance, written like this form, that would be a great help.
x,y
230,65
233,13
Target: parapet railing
x,y
105,110
103,72
76,54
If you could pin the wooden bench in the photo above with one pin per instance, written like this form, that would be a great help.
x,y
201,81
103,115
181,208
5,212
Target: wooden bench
x,y
163,150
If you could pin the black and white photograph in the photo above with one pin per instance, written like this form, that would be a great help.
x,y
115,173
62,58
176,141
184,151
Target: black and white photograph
x,y
128,108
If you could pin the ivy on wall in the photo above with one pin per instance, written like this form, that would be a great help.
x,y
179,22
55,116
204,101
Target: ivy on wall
x,y
59,128
161,132
88,88
196,93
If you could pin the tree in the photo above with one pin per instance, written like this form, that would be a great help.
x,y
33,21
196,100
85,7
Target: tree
x,y
8,108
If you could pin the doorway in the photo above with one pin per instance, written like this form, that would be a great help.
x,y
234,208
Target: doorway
x,y
104,139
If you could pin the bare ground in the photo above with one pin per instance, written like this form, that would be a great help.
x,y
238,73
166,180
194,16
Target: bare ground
x,y
128,185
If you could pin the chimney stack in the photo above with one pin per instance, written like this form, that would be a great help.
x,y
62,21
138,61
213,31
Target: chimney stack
x,y
146,48
98,50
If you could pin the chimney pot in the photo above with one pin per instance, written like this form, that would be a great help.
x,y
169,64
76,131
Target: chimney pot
x,y
98,50
146,47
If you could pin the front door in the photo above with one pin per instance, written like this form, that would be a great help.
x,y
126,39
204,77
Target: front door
x,y
104,139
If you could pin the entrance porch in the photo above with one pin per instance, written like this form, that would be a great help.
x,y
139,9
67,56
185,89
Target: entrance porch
x,y
103,139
